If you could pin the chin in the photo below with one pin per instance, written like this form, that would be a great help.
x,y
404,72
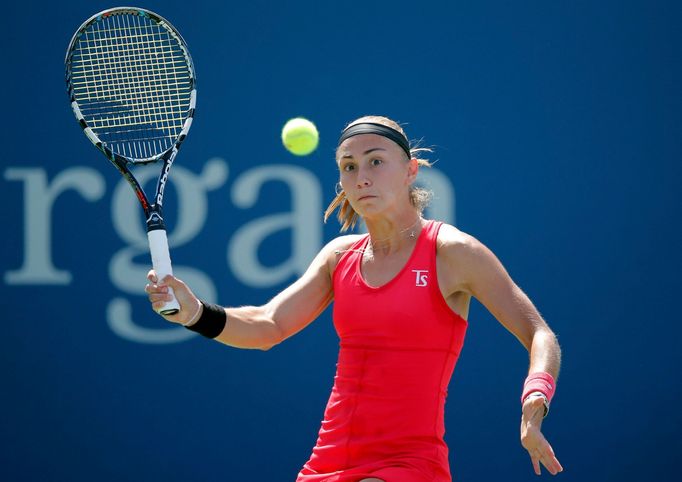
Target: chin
x,y
369,214
369,209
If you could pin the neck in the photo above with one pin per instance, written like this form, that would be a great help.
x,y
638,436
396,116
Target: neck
x,y
388,236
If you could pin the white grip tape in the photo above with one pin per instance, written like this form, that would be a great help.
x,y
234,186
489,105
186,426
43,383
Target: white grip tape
x,y
158,245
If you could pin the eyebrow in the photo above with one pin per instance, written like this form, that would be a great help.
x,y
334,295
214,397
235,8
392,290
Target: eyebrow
x,y
368,151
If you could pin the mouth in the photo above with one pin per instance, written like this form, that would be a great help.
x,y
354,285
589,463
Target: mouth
x,y
367,196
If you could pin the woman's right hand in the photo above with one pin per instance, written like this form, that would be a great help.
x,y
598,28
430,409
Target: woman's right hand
x,y
157,290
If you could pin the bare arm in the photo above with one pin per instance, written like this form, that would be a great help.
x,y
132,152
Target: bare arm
x,y
286,314
481,274
494,288
263,326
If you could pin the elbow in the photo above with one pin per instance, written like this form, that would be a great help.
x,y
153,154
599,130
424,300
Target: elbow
x,y
542,335
273,334
274,338
268,346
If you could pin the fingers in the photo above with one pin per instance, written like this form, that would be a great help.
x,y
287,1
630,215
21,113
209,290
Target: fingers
x,y
550,461
156,287
157,294
536,464
545,456
539,449
169,279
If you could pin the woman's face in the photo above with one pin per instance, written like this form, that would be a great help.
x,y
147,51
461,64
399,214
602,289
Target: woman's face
x,y
375,174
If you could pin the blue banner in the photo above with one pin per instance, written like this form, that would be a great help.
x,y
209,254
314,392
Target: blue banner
x,y
556,132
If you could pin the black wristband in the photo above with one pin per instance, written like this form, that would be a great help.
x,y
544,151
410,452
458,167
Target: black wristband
x,y
211,322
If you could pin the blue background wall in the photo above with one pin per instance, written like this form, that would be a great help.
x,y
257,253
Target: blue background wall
x,y
557,131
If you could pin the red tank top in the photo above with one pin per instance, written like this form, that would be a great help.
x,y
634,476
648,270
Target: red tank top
x,y
399,345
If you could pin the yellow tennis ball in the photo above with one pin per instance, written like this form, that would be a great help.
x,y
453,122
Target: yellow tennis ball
x,y
300,136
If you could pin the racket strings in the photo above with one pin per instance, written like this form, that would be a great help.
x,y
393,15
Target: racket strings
x,y
133,84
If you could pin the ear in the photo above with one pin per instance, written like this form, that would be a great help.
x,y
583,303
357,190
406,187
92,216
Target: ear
x,y
412,170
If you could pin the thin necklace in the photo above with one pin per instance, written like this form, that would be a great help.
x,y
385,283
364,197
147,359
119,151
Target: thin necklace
x,y
372,243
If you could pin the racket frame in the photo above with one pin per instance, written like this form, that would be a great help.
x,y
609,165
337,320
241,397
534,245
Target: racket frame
x,y
153,211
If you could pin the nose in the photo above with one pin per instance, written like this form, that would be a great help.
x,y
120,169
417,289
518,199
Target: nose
x,y
363,179
363,183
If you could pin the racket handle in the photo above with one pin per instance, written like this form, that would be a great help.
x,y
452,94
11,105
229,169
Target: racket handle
x,y
158,245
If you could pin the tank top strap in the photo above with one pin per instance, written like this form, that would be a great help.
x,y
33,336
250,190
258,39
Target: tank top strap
x,y
350,254
426,255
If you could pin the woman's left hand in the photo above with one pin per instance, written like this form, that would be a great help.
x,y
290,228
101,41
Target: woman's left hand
x,y
533,441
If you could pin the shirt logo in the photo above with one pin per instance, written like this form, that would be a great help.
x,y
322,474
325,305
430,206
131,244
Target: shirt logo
x,y
422,277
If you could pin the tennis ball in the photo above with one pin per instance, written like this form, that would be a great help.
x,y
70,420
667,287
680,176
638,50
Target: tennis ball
x,y
300,136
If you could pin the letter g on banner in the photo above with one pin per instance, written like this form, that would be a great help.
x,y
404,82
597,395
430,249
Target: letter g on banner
x,y
130,277
303,222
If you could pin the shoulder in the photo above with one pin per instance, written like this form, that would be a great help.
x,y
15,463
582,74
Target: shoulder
x,y
336,246
453,242
334,249
459,249
468,260
324,263
344,242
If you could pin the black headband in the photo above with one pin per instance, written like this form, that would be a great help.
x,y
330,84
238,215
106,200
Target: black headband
x,y
380,130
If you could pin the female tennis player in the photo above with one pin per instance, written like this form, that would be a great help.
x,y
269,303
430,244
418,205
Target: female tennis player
x,y
401,299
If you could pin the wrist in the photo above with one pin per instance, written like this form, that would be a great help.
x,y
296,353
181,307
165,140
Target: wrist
x,y
545,401
539,384
211,320
195,317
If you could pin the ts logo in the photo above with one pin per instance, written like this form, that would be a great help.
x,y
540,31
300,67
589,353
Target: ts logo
x,y
422,278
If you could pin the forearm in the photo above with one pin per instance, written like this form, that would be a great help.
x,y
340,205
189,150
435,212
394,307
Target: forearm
x,y
545,352
250,327
291,310
538,390
287,313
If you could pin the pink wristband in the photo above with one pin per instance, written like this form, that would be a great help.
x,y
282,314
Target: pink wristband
x,y
539,382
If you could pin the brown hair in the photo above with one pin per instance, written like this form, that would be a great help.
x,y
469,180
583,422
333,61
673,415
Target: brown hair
x,y
418,197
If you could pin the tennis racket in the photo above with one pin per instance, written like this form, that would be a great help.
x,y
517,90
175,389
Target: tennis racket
x,y
132,87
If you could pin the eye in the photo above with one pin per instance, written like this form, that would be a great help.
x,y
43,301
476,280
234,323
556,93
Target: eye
x,y
376,162
348,167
